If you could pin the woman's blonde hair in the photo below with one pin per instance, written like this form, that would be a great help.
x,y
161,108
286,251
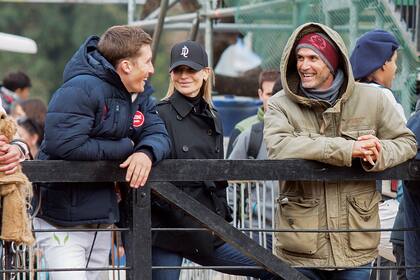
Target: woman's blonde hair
x,y
205,91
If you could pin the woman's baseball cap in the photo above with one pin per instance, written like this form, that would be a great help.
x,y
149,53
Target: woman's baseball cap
x,y
188,53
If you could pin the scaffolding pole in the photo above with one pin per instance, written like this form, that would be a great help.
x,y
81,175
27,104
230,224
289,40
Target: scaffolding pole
x,y
208,38
158,29
131,10
210,13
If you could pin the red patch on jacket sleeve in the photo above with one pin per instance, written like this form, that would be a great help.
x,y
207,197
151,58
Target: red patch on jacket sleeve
x,y
138,119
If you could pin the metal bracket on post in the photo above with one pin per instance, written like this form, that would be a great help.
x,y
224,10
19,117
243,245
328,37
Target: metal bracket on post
x,y
139,250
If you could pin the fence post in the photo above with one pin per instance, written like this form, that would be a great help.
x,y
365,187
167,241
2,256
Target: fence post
x,y
139,239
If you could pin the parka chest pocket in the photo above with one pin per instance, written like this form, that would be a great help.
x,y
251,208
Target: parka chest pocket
x,y
363,214
353,134
114,120
296,213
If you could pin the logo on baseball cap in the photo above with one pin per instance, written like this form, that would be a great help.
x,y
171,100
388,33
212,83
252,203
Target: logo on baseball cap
x,y
188,53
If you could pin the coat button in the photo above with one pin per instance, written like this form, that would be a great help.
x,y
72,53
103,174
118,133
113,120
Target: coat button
x,y
178,117
185,148
196,250
210,132
217,150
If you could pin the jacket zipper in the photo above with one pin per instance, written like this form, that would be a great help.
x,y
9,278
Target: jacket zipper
x,y
117,115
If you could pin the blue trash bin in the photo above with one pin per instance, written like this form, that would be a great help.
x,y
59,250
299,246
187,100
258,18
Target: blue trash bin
x,y
233,109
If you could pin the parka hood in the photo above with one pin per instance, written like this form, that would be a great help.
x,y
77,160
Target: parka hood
x,y
289,74
89,61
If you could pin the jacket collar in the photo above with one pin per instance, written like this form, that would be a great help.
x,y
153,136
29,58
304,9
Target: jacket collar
x,y
181,105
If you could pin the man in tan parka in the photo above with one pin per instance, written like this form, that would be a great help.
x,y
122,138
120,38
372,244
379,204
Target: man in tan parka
x,y
323,114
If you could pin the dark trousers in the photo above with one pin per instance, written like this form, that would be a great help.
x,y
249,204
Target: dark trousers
x,y
384,274
224,255
398,251
412,238
362,273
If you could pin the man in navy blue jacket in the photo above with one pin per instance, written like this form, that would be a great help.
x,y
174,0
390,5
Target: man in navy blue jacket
x,y
103,111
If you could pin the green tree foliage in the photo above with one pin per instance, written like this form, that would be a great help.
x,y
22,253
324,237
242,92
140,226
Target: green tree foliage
x,y
58,29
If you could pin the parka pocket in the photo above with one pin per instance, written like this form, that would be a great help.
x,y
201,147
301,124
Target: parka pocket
x,y
363,214
296,214
114,123
354,134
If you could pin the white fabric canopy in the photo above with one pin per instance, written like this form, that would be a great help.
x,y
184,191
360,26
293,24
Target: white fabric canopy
x,y
14,43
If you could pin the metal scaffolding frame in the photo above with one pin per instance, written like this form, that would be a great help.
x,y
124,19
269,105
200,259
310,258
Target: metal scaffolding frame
x,y
191,21
208,12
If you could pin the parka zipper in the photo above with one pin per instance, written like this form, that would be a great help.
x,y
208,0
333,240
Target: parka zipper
x,y
117,115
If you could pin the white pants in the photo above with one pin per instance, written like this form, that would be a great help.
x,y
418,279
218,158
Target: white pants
x,y
387,214
71,250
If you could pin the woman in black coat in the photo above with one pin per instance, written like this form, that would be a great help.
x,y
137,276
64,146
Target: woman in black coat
x,y
195,129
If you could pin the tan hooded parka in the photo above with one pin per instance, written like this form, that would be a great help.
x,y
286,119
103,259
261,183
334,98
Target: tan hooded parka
x,y
302,128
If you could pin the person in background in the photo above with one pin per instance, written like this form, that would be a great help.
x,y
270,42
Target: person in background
x,y
374,62
30,115
33,108
32,133
16,86
195,129
322,114
243,145
250,145
11,153
103,111
410,212
266,82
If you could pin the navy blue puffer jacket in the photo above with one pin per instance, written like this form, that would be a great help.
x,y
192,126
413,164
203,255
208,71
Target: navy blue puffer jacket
x,y
90,117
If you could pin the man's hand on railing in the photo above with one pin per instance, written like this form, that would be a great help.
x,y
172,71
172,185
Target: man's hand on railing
x,y
372,143
139,165
368,148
